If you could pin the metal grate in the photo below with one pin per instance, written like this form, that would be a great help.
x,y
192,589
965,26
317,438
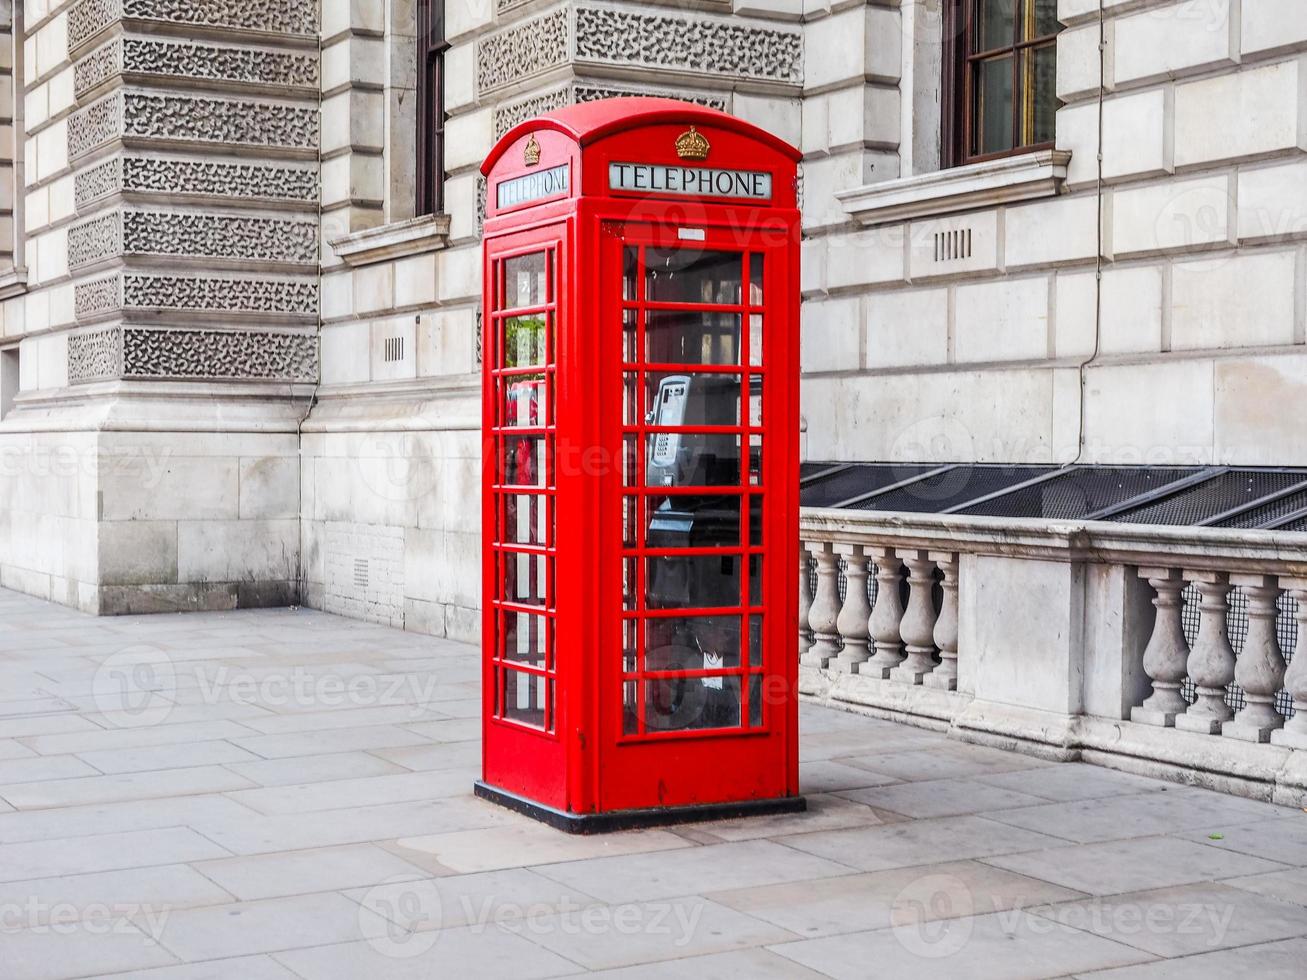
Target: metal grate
x,y
839,487
1286,631
1211,497
1299,525
1267,513
1079,492
953,488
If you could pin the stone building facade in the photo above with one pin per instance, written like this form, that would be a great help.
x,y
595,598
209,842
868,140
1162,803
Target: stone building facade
x,y
239,365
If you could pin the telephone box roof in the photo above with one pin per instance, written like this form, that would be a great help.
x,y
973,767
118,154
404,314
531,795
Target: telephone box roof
x,y
587,122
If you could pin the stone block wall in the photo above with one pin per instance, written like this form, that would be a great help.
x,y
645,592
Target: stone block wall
x,y
1190,349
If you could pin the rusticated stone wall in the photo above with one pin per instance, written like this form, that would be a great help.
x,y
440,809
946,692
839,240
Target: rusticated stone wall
x,y
201,154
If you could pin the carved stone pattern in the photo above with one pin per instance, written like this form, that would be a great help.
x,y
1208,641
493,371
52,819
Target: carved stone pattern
x,y
95,125
510,114
97,67
97,296
524,49
220,236
481,203
219,120
274,296
150,57
590,93
665,41
99,238
99,181
211,179
90,17
229,354
95,356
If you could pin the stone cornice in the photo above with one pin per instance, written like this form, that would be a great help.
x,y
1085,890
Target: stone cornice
x,y
977,185
396,240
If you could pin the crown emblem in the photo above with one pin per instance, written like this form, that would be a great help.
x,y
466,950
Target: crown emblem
x,y
692,145
532,152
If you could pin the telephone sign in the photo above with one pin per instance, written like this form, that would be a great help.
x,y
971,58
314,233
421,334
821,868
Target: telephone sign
x,y
640,494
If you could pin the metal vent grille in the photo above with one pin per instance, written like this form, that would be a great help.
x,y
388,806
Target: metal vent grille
x,y
1286,631
361,573
1211,497
839,487
952,488
1078,493
1268,513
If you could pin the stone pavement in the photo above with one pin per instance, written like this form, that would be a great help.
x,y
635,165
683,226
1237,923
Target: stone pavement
x,y
281,794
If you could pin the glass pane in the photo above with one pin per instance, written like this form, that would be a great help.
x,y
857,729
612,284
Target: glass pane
x,y
677,459
526,638
675,398
993,115
631,404
630,584
692,643
755,644
527,578
630,272
681,337
1039,83
699,581
755,400
675,704
755,580
1041,19
755,460
755,339
525,281
526,403
524,341
691,276
630,708
630,654
525,698
524,461
755,701
685,521
630,338
630,508
528,519
996,25
630,462
756,265
755,520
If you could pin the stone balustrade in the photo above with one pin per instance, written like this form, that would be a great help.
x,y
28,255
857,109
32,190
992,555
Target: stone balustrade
x,y
1164,651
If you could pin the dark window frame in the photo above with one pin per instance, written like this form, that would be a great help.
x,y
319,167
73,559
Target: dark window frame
x,y
961,60
430,196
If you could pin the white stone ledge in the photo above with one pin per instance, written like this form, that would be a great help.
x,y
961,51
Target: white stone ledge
x,y
1102,542
416,236
978,185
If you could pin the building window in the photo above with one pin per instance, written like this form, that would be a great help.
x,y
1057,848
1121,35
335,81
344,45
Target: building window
x,y
1000,80
431,106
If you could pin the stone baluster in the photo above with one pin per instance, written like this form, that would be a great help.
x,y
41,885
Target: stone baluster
x,y
1167,653
945,676
805,600
918,626
825,607
1294,733
854,614
1211,661
1260,667
886,616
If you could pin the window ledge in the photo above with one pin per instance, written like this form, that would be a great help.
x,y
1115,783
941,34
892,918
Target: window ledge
x,y
13,282
393,241
977,185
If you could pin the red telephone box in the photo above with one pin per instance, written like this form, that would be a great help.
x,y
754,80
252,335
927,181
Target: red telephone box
x,y
641,417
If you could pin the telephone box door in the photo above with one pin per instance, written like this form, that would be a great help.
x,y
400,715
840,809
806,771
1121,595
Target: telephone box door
x,y
690,704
